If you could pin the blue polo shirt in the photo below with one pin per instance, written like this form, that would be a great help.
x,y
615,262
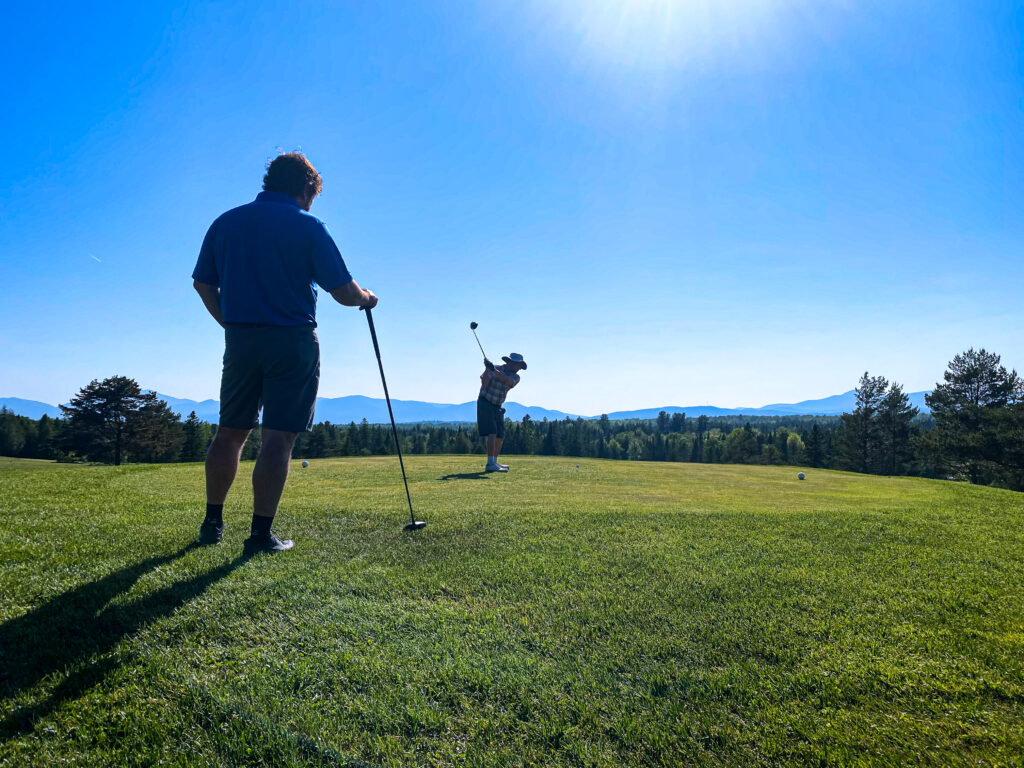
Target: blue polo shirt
x,y
267,257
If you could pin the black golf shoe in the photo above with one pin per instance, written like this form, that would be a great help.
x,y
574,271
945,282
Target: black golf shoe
x,y
210,532
265,542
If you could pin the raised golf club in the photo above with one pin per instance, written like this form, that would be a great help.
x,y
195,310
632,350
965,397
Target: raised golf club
x,y
413,524
473,326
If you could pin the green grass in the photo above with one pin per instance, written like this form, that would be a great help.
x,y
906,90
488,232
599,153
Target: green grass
x,y
616,614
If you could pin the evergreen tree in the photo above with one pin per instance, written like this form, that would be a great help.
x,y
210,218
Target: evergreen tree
x,y
573,438
658,447
677,423
111,419
463,443
193,446
12,433
968,408
662,422
550,445
251,448
156,434
815,447
895,415
364,438
860,440
702,433
42,446
1009,434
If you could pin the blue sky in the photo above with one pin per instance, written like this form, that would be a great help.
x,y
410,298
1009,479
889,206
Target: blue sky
x,y
657,202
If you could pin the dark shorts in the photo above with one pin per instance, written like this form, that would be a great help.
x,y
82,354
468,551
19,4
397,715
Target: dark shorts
x,y
275,368
490,418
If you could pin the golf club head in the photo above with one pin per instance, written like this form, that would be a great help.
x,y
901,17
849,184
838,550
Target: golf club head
x,y
415,526
473,326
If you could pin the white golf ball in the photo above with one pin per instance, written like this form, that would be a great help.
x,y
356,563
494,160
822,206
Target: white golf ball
x,y
800,475
305,464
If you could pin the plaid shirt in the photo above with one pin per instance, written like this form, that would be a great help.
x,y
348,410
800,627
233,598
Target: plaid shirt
x,y
493,391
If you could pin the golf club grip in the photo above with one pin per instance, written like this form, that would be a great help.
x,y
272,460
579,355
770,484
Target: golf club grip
x,y
373,338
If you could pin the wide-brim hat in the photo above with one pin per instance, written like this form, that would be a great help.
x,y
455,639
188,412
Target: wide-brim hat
x,y
515,357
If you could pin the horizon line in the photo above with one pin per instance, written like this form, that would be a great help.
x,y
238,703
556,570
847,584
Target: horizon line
x,y
521,405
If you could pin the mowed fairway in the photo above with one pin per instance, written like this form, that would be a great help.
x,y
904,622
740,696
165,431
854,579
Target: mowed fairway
x,y
615,614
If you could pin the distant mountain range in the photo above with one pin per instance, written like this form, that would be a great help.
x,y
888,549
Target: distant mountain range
x,y
342,410
826,406
31,408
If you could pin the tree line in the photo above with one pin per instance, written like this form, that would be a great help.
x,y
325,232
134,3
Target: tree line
x,y
975,432
112,422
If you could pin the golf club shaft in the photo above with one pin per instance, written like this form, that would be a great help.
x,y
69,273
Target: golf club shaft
x,y
387,398
479,344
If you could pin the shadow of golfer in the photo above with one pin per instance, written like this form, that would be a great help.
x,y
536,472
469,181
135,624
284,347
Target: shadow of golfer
x,y
74,632
465,476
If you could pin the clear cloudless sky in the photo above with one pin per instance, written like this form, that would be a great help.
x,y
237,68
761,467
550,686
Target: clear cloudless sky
x,y
657,202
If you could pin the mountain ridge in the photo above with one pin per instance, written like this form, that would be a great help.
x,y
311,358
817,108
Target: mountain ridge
x,y
342,410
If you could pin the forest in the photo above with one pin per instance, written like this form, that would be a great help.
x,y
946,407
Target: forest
x,y
974,432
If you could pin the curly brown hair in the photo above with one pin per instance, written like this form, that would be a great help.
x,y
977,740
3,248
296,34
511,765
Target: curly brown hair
x,y
292,174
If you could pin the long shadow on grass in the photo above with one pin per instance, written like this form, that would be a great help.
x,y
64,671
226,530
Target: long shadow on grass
x,y
75,631
465,476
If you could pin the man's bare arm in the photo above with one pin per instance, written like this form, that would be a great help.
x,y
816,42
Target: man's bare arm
x,y
351,295
210,294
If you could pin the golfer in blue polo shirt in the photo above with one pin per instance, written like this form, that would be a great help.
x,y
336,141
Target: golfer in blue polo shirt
x,y
257,275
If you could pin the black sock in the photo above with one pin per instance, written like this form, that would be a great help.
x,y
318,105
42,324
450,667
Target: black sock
x,y
215,514
261,525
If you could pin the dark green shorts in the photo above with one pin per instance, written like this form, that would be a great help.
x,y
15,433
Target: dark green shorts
x,y
275,368
490,418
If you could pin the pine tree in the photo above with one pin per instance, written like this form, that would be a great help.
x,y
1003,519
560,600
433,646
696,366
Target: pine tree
x,y
317,446
860,442
677,423
968,408
111,419
45,435
193,446
12,434
895,415
662,422
815,447
251,448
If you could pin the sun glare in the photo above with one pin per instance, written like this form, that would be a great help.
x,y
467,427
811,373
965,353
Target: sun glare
x,y
669,34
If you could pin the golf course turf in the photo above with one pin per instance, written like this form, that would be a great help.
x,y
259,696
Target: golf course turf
x,y
619,613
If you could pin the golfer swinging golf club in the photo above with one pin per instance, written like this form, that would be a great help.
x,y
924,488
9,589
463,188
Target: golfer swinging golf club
x,y
255,274
490,416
